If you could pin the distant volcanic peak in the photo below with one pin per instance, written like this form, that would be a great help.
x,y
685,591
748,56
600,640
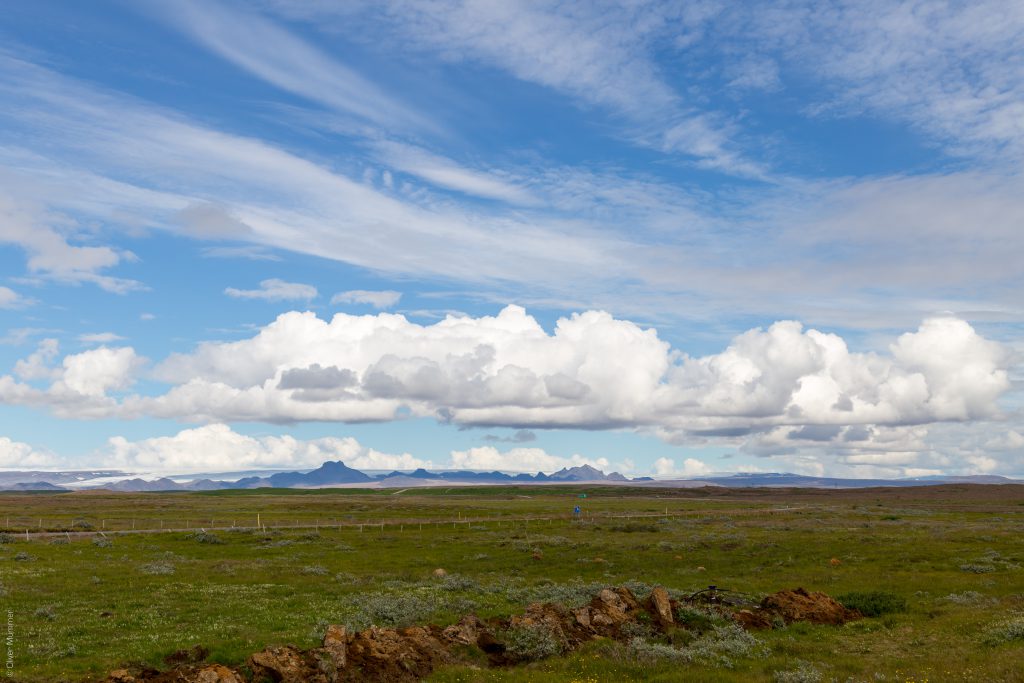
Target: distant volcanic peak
x,y
331,472
337,468
579,473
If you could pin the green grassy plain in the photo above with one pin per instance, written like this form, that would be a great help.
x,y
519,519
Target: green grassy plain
x,y
82,605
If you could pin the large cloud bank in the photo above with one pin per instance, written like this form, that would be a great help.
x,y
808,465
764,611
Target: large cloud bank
x,y
15,454
217,447
593,371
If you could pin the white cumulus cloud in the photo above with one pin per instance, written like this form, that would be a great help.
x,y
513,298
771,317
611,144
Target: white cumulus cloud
x,y
18,455
771,392
217,447
95,372
593,371
666,468
39,364
518,460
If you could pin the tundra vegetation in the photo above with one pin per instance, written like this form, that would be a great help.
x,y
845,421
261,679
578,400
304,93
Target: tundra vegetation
x,y
937,572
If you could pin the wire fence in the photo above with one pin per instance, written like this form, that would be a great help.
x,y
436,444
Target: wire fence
x,y
258,522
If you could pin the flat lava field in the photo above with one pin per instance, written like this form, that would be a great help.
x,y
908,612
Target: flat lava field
x,y
94,580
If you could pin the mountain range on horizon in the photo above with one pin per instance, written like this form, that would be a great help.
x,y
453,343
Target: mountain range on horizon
x,y
337,473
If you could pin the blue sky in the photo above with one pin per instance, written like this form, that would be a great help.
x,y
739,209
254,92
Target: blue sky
x,y
666,239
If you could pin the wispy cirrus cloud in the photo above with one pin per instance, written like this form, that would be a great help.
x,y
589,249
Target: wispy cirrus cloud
x,y
99,338
445,173
10,299
377,298
275,289
247,252
598,54
46,238
952,70
286,201
272,53
661,250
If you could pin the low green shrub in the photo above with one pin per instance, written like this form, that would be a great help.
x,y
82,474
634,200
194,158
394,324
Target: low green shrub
x,y
47,612
874,603
314,570
159,568
1006,631
966,598
573,594
719,647
530,642
205,537
723,644
805,672
697,619
402,609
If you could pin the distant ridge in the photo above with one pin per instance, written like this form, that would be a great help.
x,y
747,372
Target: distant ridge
x,y
11,478
37,486
337,473
785,479
136,484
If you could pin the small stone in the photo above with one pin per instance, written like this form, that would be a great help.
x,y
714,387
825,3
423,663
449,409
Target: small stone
x,y
662,607
283,664
467,631
582,615
336,644
215,673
